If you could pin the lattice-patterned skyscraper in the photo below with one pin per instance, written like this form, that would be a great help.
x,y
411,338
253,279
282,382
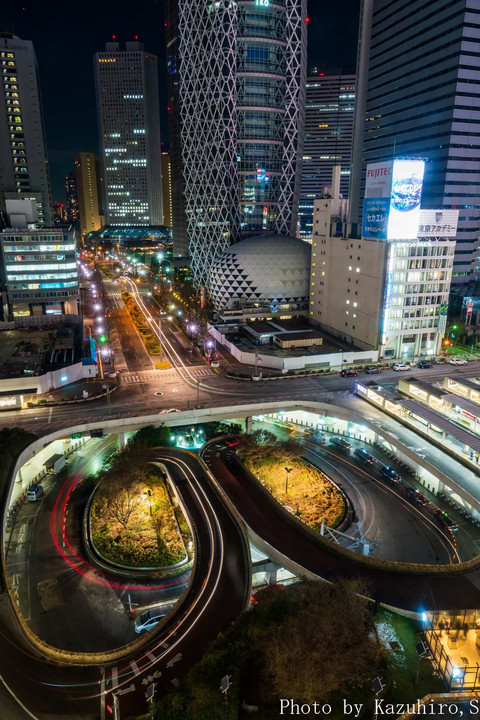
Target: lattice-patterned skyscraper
x,y
237,91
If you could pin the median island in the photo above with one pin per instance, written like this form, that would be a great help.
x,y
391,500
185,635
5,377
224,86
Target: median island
x,y
135,520
296,484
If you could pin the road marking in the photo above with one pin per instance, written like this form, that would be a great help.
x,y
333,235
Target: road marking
x,y
174,660
129,689
151,656
150,678
135,667
114,678
102,695
50,415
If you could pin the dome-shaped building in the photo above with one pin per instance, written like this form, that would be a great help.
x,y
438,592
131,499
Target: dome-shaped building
x,y
264,270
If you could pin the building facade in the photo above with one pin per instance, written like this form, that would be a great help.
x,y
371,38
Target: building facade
x,y
39,272
238,71
167,189
23,152
126,84
89,192
390,296
71,197
329,110
179,220
417,95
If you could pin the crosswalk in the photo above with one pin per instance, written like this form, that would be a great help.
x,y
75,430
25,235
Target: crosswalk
x,y
148,376
201,372
144,376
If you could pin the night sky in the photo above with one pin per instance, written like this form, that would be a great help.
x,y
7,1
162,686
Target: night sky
x,y
66,34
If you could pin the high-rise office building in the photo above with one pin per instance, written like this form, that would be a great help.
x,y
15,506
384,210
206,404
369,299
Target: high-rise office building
x,y
328,136
23,152
237,101
179,220
89,192
71,197
417,93
167,189
129,127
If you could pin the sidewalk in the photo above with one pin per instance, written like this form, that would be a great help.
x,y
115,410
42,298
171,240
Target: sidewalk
x,y
74,392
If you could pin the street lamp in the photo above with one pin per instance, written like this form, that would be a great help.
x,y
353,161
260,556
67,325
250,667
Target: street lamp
x,y
287,473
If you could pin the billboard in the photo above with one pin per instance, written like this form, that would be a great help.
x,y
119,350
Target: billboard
x,y
375,218
438,223
407,184
393,191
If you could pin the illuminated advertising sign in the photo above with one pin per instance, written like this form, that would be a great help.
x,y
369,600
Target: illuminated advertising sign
x,y
375,218
378,179
407,184
438,223
10,401
378,190
393,191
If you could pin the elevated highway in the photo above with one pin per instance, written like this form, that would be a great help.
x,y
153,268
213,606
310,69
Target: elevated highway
x,y
405,586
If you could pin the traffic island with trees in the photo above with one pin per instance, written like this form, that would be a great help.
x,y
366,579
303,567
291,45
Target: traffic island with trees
x,y
150,340
295,483
315,642
135,520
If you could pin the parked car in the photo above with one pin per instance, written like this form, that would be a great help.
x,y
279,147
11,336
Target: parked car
x,y
445,519
372,370
424,365
148,619
215,364
390,475
340,444
440,360
34,493
401,367
348,373
457,361
364,457
415,495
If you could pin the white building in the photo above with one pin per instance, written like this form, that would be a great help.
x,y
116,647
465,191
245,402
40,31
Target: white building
x,y
129,126
376,293
39,272
23,153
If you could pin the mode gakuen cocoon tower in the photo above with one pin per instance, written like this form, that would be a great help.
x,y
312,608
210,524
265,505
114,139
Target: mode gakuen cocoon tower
x,y
237,102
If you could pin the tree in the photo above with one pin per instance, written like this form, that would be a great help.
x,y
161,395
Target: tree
x,y
325,645
151,436
122,503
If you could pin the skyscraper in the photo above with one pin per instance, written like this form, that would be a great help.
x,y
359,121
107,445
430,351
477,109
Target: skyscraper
x,y
89,192
167,189
238,73
179,220
129,127
71,197
328,136
23,152
418,90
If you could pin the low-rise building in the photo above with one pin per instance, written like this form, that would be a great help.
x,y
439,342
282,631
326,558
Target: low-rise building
x,y
38,272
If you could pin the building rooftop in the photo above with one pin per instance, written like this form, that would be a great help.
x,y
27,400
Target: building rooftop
x,y
132,232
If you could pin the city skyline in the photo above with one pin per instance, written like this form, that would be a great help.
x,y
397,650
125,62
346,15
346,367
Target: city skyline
x,y
65,41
